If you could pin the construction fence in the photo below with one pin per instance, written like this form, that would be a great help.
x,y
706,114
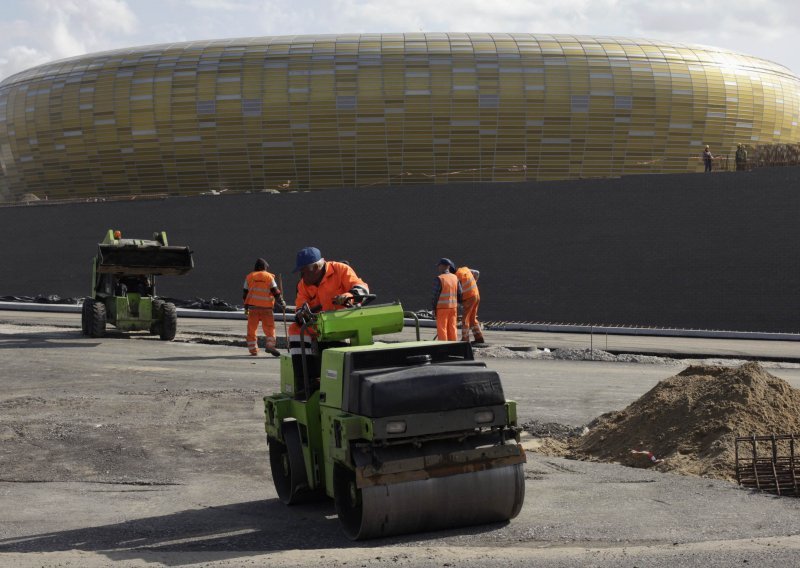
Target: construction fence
x,y
761,156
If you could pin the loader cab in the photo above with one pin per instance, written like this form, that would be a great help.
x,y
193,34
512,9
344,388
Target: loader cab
x,y
121,285
106,284
135,284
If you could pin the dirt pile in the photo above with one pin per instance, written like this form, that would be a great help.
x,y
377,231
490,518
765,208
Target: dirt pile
x,y
688,422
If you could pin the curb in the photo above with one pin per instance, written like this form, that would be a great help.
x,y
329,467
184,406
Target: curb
x,y
551,328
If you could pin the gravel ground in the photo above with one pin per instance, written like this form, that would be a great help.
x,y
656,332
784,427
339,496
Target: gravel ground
x,y
130,450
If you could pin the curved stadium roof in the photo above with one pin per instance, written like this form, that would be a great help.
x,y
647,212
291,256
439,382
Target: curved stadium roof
x,y
313,112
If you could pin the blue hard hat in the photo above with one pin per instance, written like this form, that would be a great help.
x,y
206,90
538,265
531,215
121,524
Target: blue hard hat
x,y
306,256
448,262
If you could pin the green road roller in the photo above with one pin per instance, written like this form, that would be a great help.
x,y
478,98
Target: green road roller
x,y
123,293
405,437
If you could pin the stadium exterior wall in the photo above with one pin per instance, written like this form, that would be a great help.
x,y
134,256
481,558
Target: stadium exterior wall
x,y
684,250
311,112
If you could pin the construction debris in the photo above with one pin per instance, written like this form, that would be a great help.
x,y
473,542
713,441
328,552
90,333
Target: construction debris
x,y
517,352
769,463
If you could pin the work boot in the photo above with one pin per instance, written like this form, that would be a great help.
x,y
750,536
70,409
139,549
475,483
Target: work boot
x,y
253,353
272,351
479,341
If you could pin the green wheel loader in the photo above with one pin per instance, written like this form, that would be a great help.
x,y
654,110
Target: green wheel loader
x,y
123,285
405,437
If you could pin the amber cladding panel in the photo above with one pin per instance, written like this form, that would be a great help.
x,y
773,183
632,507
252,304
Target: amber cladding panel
x,y
313,112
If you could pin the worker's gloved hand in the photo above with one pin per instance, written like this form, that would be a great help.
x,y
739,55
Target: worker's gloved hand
x,y
343,299
282,304
246,309
303,315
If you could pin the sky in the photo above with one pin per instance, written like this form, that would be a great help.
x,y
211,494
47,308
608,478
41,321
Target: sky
x,y
38,31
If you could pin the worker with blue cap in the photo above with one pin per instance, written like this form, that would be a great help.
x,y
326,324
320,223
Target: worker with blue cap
x,y
446,298
324,285
330,284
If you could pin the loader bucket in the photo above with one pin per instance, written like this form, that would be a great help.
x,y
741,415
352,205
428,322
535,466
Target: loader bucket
x,y
132,260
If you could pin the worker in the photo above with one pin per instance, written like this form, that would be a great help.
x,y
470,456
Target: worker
x,y
323,286
708,158
741,158
471,299
446,298
137,284
259,296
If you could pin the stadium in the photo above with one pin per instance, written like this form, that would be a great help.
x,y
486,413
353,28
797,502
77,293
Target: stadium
x,y
350,111
511,153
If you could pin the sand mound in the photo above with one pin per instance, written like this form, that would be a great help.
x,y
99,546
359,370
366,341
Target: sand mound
x,y
688,422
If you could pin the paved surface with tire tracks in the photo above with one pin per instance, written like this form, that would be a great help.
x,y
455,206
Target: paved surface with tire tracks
x,y
131,450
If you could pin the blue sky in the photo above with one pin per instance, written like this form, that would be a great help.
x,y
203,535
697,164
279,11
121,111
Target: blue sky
x,y
38,31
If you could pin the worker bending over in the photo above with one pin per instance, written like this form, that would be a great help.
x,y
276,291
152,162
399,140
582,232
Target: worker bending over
x,y
471,299
323,286
446,297
259,296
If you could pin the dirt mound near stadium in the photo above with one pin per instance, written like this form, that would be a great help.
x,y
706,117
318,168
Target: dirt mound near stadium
x,y
687,423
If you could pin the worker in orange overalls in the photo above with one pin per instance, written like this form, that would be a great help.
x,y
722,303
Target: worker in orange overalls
x,y
471,298
446,297
324,285
259,296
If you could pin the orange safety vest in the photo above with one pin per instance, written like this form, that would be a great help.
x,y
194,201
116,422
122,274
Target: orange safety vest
x,y
259,285
469,287
339,279
448,297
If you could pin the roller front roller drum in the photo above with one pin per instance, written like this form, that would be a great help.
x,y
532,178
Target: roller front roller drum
x,y
489,496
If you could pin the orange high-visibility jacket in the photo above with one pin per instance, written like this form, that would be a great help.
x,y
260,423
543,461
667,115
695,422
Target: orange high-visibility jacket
x,y
469,286
339,279
449,295
259,285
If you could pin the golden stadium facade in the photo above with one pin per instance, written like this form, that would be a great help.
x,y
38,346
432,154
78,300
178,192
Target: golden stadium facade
x,y
324,111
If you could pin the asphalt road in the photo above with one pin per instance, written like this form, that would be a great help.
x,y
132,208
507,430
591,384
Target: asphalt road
x,y
132,450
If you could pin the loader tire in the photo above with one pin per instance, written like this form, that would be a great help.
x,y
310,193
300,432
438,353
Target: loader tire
x,y
97,320
86,315
169,322
155,327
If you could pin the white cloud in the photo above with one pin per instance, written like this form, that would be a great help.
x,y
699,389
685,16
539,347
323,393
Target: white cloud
x,y
85,25
43,29
55,29
21,57
223,5
64,43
